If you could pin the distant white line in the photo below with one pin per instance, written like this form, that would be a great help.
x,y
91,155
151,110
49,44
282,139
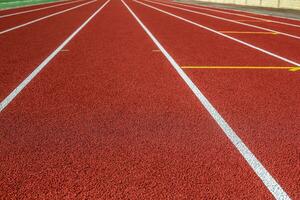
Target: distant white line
x,y
254,163
243,11
229,20
230,13
45,17
26,81
37,9
222,34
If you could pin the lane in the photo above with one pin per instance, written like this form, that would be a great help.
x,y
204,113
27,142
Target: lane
x,y
271,184
37,9
24,8
20,21
24,49
231,15
279,44
251,14
259,24
261,106
111,119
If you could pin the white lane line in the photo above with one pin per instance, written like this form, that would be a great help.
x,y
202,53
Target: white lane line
x,y
26,81
242,11
222,34
255,164
229,20
45,17
230,13
37,9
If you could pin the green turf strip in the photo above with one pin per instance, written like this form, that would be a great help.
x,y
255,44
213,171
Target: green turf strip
x,y
4,4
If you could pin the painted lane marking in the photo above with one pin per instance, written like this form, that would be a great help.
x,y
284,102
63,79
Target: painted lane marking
x,y
222,34
253,162
225,19
33,74
292,69
249,32
210,8
37,9
45,17
249,20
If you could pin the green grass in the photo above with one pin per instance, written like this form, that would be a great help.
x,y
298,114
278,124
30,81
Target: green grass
x,y
4,4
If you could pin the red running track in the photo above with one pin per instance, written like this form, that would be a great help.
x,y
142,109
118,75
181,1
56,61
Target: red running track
x,y
17,20
239,12
109,118
266,102
289,29
30,7
22,50
274,43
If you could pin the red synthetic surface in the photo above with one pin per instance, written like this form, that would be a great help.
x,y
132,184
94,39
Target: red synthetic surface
x,y
26,8
281,19
278,44
111,119
22,50
269,25
132,133
10,22
259,112
193,48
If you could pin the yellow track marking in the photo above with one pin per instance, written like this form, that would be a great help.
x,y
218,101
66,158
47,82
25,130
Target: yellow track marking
x,y
249,20
293,69
249,32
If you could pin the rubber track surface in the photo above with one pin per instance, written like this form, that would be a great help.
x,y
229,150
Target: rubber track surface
x,y
25,48
109,118
134,138
287,20
243,16
273,43
260,105
16,20
25,8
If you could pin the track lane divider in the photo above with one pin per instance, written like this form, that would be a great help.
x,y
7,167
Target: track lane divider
x,y
37,9
4,103
225,19
45,17
254,163
222,34
257,19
